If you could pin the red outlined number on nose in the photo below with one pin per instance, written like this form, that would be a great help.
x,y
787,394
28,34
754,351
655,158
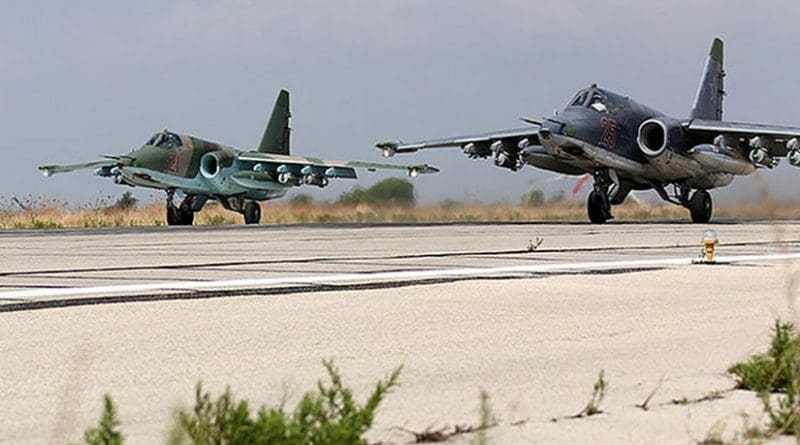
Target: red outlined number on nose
x,y
173,162
609,136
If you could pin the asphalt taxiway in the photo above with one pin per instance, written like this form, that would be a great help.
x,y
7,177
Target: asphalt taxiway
x,y
529,312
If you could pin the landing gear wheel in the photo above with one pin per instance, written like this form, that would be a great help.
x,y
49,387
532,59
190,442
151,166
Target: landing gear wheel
x,y
597,206
180,216
252,213
186,214
700,207
173,216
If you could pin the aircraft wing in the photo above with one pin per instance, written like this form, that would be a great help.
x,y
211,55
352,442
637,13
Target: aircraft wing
x,y
778,139
474,146
303,165
49,170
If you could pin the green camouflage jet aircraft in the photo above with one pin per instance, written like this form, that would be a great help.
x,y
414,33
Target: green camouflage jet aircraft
x,y
201,170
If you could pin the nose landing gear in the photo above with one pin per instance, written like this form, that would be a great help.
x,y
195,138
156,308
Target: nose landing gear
x,y
251,210
598,205
183,214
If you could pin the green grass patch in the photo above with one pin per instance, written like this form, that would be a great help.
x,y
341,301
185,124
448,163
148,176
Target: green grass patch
x,y
328,415
775,375
774,370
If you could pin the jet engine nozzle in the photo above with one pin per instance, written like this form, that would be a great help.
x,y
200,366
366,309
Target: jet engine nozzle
x,y
211,164
653,137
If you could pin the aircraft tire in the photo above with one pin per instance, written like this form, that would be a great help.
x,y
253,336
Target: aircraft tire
x,y
173,216
252,213
179,216
597,207
701,207
186,214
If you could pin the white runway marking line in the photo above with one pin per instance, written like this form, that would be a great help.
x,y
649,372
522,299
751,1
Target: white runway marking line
x,y
376,276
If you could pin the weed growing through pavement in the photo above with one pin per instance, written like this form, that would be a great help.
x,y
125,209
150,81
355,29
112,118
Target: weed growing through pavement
x,y
107,430
771,371
775,376
329,415
598,394
486,420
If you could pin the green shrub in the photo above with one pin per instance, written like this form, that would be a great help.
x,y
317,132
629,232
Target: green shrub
x,y
534,198
776,371
329,415
301,199
107,431
772,371
388,192
125,202
40,224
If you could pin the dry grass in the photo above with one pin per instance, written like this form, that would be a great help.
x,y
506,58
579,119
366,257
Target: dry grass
x,y
53,214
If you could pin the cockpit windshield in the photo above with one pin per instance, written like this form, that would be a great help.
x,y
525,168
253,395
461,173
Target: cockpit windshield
x,y
165,140
580,99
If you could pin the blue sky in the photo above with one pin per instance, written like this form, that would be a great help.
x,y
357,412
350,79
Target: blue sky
x,y
79,79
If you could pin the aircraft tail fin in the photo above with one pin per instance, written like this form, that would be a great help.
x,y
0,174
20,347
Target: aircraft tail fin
x,y
708,103
276,136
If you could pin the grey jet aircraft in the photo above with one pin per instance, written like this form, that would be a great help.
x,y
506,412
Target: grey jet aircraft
x,y
626,146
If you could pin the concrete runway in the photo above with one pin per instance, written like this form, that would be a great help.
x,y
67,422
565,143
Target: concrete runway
x,y
145,313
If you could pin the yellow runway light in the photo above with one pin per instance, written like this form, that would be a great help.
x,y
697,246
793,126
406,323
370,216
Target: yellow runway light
x,y
710,241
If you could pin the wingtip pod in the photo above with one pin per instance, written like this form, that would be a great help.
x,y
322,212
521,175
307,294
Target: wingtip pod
x,y
417,170
387,148
47,170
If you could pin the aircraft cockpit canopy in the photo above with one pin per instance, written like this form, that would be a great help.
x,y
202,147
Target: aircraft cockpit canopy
x,y
165,140
590,98
580,99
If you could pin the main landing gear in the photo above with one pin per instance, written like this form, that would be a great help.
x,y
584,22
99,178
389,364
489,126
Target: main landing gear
x,y
699,203
251,210
609,190
700,207
183,214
